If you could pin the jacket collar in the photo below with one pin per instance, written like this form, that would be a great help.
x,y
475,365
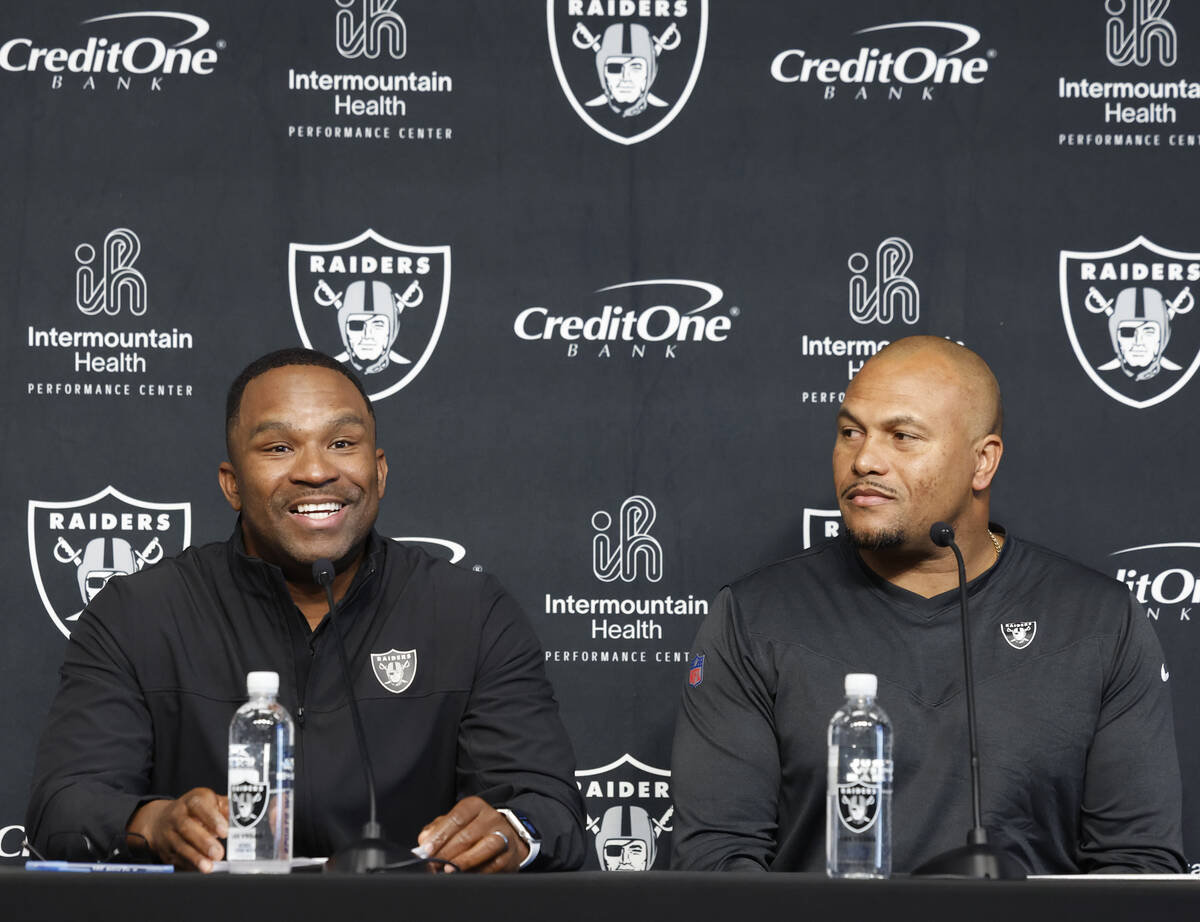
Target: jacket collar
x,y
265,580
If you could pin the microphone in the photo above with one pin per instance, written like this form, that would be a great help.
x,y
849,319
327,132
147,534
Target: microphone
x,y
977,859
372,852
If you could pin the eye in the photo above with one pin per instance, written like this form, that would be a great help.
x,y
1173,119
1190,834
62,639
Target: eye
x,y
277,449
342,443
848,432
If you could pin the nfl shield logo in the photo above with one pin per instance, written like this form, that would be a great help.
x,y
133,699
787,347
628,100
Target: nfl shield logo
x,y
395,669
627,76
1128,316
374,304
858,805
76,547
247,803
696,671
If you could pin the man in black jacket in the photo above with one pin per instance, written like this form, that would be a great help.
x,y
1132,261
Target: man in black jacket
x,y
471,760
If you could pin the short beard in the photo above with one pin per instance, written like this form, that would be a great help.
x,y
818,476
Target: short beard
x,y
882,540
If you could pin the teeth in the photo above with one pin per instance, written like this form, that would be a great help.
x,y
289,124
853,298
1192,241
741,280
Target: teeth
x,y
318,510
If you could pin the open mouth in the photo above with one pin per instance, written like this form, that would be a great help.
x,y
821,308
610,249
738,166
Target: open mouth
x,y
317,511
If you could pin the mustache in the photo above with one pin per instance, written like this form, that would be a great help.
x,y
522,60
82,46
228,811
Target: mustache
x,y
868,485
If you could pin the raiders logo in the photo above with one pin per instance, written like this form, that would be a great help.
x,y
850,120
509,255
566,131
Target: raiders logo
x,y
858,805
395,669
1019,634
76,547
821,525
1127,313
627,66
629,812
247,803
374,304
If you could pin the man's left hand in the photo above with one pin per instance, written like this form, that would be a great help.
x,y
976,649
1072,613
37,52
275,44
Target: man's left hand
x,y
475,837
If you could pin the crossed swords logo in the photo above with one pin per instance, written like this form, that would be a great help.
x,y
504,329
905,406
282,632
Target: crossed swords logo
x,y
413,295
585,41
1096,303
660,824
63,552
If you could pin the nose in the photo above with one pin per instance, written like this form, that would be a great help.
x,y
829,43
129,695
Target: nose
x,y
869,458
313,466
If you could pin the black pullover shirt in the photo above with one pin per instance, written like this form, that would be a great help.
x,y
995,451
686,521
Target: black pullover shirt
x,y
157,663
1076,740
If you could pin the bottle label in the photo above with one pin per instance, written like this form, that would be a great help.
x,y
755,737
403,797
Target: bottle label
x,y
247,803
860,792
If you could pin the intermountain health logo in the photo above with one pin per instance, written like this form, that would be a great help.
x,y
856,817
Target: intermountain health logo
x,y
376,305
77,546
627,66
630,549
369,28
122,48
114,349
890,294
1137,33
629,813
1126,313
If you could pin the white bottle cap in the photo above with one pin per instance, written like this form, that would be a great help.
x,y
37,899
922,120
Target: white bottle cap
x,y
861,685
259,684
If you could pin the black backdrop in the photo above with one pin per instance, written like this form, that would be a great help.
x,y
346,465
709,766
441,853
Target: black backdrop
x,y
164,201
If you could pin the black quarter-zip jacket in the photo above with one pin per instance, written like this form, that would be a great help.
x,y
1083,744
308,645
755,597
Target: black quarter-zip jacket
x,y
1076,739
157,663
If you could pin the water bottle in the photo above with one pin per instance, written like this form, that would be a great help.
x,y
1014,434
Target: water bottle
x,y
261,737
858,806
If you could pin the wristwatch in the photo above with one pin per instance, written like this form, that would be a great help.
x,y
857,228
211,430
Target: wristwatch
x,y
526,830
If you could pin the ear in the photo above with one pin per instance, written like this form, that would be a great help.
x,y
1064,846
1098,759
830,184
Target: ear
x,y
987,459
381,470
227,478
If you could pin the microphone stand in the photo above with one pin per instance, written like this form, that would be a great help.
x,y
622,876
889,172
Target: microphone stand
x,y
372,852
976,860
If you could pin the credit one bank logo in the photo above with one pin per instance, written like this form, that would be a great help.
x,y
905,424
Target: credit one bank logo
x,y
914,65
170,49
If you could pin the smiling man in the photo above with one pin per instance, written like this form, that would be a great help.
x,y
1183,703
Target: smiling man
x,y
470,758
1076,741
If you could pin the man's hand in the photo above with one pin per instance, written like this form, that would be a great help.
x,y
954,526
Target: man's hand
x,y
184,831
475,837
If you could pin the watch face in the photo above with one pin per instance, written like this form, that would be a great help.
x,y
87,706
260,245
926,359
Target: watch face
x,y
525,822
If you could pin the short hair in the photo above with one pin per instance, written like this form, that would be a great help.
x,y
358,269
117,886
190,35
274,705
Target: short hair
x,y
283,358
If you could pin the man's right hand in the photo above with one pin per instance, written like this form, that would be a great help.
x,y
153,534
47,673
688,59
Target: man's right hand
x,y
184,831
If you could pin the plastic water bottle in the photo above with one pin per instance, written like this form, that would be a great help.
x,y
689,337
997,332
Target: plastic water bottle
x,y
858,806
261,737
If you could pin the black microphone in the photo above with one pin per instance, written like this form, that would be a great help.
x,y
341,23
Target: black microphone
x,y
371,852
976,859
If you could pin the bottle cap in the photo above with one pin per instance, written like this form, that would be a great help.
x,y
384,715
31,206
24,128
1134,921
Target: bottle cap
x,y
861,685
262,683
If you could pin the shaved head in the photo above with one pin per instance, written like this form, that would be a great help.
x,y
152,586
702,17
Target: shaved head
x,y
961,367
918,441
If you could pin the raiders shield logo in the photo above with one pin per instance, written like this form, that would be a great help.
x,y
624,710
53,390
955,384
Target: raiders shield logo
x,y
395,669
1128,314
821,525
858,805
627,68
1019,634
629,812
75,547
374,304
247,803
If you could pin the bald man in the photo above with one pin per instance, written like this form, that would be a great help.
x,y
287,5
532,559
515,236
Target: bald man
x,y
1076,740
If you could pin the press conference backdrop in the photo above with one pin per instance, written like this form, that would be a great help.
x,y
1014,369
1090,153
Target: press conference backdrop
x,y
606,268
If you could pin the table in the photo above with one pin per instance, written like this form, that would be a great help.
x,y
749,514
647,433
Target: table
x,y
584,897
